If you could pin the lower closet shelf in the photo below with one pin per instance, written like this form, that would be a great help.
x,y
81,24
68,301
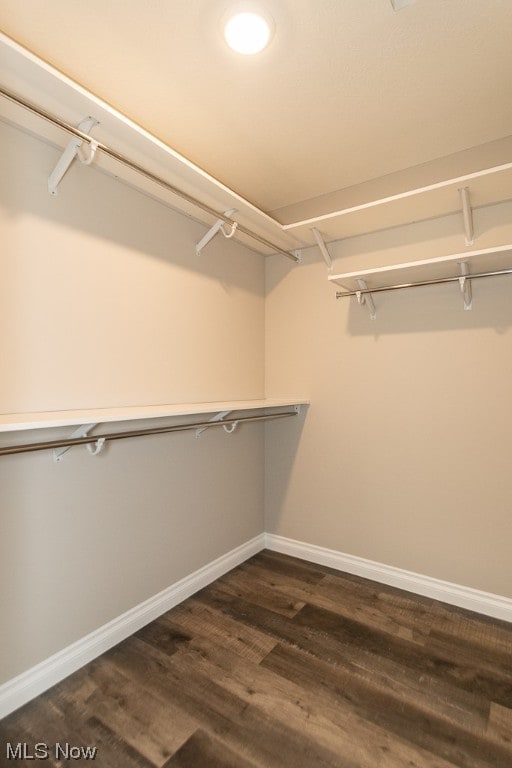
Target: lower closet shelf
x,y
21,421
226,414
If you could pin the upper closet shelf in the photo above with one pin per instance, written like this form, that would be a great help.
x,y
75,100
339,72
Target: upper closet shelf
x,y
23,421
40,99
153,167
484,187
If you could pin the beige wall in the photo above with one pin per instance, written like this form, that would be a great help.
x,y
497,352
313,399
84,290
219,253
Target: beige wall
x,y
103,302
404,456
106,301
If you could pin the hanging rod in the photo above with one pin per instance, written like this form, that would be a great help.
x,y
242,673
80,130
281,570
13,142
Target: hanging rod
x,y
66,443
139,169
437,281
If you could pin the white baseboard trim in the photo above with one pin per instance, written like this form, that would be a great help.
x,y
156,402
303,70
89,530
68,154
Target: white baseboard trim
x,y
463,597
24,687
21,689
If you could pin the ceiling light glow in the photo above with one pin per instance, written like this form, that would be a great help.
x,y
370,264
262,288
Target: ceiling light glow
x,y
247,33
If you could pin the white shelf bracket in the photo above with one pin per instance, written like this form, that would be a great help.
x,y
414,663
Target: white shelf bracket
x,y
465,285
218,417
82,431
323,248
298,255
366,298
467,215
219,226
74,149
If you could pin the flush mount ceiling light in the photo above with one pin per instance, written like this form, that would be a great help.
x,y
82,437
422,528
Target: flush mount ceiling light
x,y
248,31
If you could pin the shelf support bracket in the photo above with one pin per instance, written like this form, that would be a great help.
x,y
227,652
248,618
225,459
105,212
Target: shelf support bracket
x,y
323,248
366,298
218,417
467,215
74,149
219,226
82,431
465,285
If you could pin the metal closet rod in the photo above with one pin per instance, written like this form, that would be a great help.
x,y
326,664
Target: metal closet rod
x,y
139,169
437,281
67,443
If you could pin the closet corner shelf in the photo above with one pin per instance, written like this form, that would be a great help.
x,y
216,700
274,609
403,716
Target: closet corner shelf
x,y
13,422
487,186
427,271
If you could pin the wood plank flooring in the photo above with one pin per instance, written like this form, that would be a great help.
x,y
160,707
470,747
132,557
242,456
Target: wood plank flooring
x,y
285,663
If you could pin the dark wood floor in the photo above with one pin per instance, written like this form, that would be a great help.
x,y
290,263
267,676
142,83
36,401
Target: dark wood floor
x,y
284,663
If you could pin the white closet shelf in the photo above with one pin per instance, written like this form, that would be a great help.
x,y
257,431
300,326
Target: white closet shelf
x,y
23,421
487,186
483,260
33,81
157,170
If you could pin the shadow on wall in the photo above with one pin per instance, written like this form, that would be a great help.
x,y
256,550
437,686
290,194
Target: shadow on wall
x,y
312,310
104,300
279,464
92,202
433,309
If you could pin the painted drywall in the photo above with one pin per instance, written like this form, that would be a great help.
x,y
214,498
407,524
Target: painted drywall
x,y
104,303
105,300
404,457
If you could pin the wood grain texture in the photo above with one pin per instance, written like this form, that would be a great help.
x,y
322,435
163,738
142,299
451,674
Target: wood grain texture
x,y
204,749
286,663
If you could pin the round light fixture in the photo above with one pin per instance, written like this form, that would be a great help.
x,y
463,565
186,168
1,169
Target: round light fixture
x,y
247,32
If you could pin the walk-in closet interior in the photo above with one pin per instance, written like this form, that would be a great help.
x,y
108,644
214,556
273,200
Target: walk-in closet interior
x,y
249,302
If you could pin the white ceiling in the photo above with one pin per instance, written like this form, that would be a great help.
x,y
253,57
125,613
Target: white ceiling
x,y
349,90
